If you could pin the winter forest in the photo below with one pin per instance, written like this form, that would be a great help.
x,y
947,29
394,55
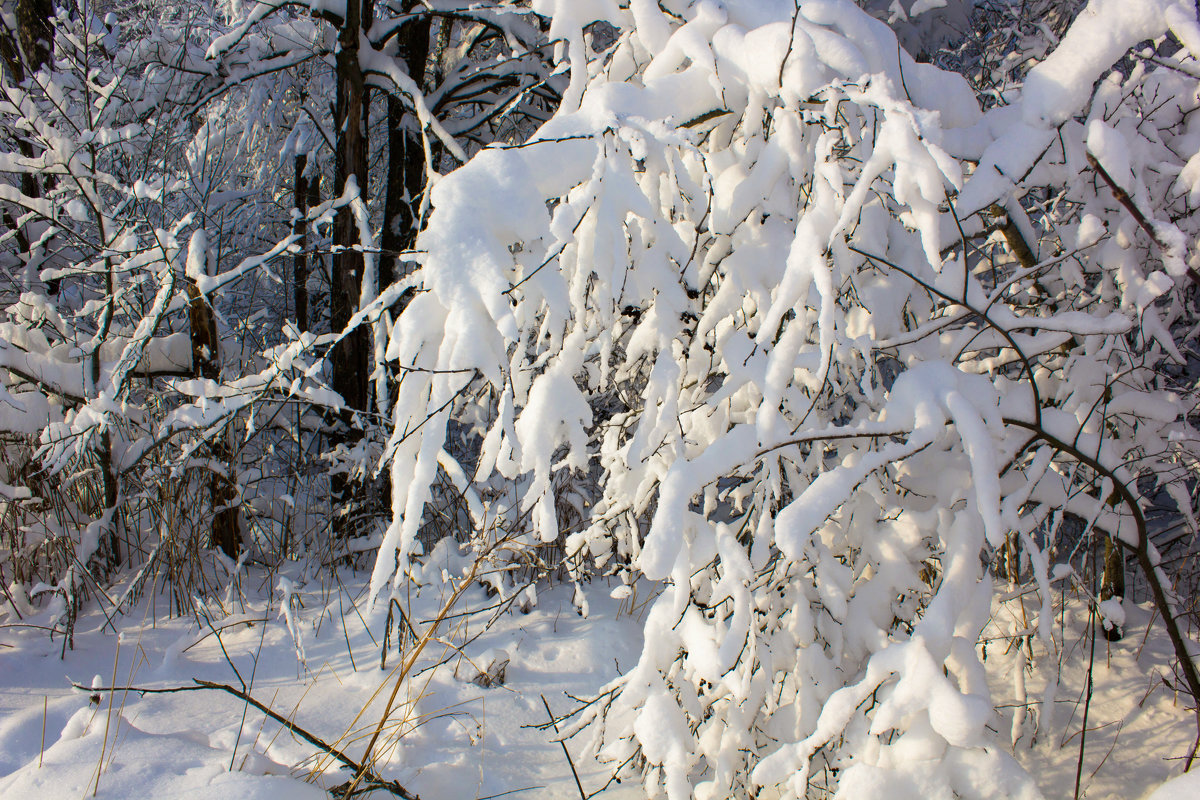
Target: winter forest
x,y
465,399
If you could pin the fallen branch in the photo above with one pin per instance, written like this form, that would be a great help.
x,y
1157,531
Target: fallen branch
x,y
365,774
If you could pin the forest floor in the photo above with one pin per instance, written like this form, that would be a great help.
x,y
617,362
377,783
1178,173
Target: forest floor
x,y
447,737
1138,729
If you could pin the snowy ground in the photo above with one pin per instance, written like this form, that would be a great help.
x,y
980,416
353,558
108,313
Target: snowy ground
x,y
456,740
1138,731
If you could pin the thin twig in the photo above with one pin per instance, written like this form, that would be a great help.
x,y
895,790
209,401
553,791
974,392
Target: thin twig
x,y
1087,700
45,709
582,794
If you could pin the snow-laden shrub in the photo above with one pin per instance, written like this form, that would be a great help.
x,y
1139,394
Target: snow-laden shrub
x,y
774,316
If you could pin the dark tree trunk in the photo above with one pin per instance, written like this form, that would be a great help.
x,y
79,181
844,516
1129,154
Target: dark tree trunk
x,y
306,194
108,473
1112,582
406,159
350,358
36,32
32,50
206,363
14,64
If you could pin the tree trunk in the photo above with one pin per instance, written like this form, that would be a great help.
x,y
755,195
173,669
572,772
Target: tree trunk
x,y
32,49
406,159
350,358
1112,583
206,363
35,31
306,193
109,479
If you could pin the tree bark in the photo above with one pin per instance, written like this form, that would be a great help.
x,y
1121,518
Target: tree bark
x,y
36,32
1112,583
306,193
206,363
29,52
109,479
350,364
406,159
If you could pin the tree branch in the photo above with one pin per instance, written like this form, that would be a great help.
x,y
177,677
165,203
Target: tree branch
x,y
360,769
1141,551
1127,202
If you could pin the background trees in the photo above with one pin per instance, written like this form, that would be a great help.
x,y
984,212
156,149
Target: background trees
x,y
149,225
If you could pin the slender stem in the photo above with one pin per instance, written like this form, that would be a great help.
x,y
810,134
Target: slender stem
x,y
1087,700
582,794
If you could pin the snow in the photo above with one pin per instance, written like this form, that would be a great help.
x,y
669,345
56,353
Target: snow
x,y
1184,787
1110,149
458,738
1131,709
921,6
756,426
1058,86
140,763
555,414
784,220
1057,89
